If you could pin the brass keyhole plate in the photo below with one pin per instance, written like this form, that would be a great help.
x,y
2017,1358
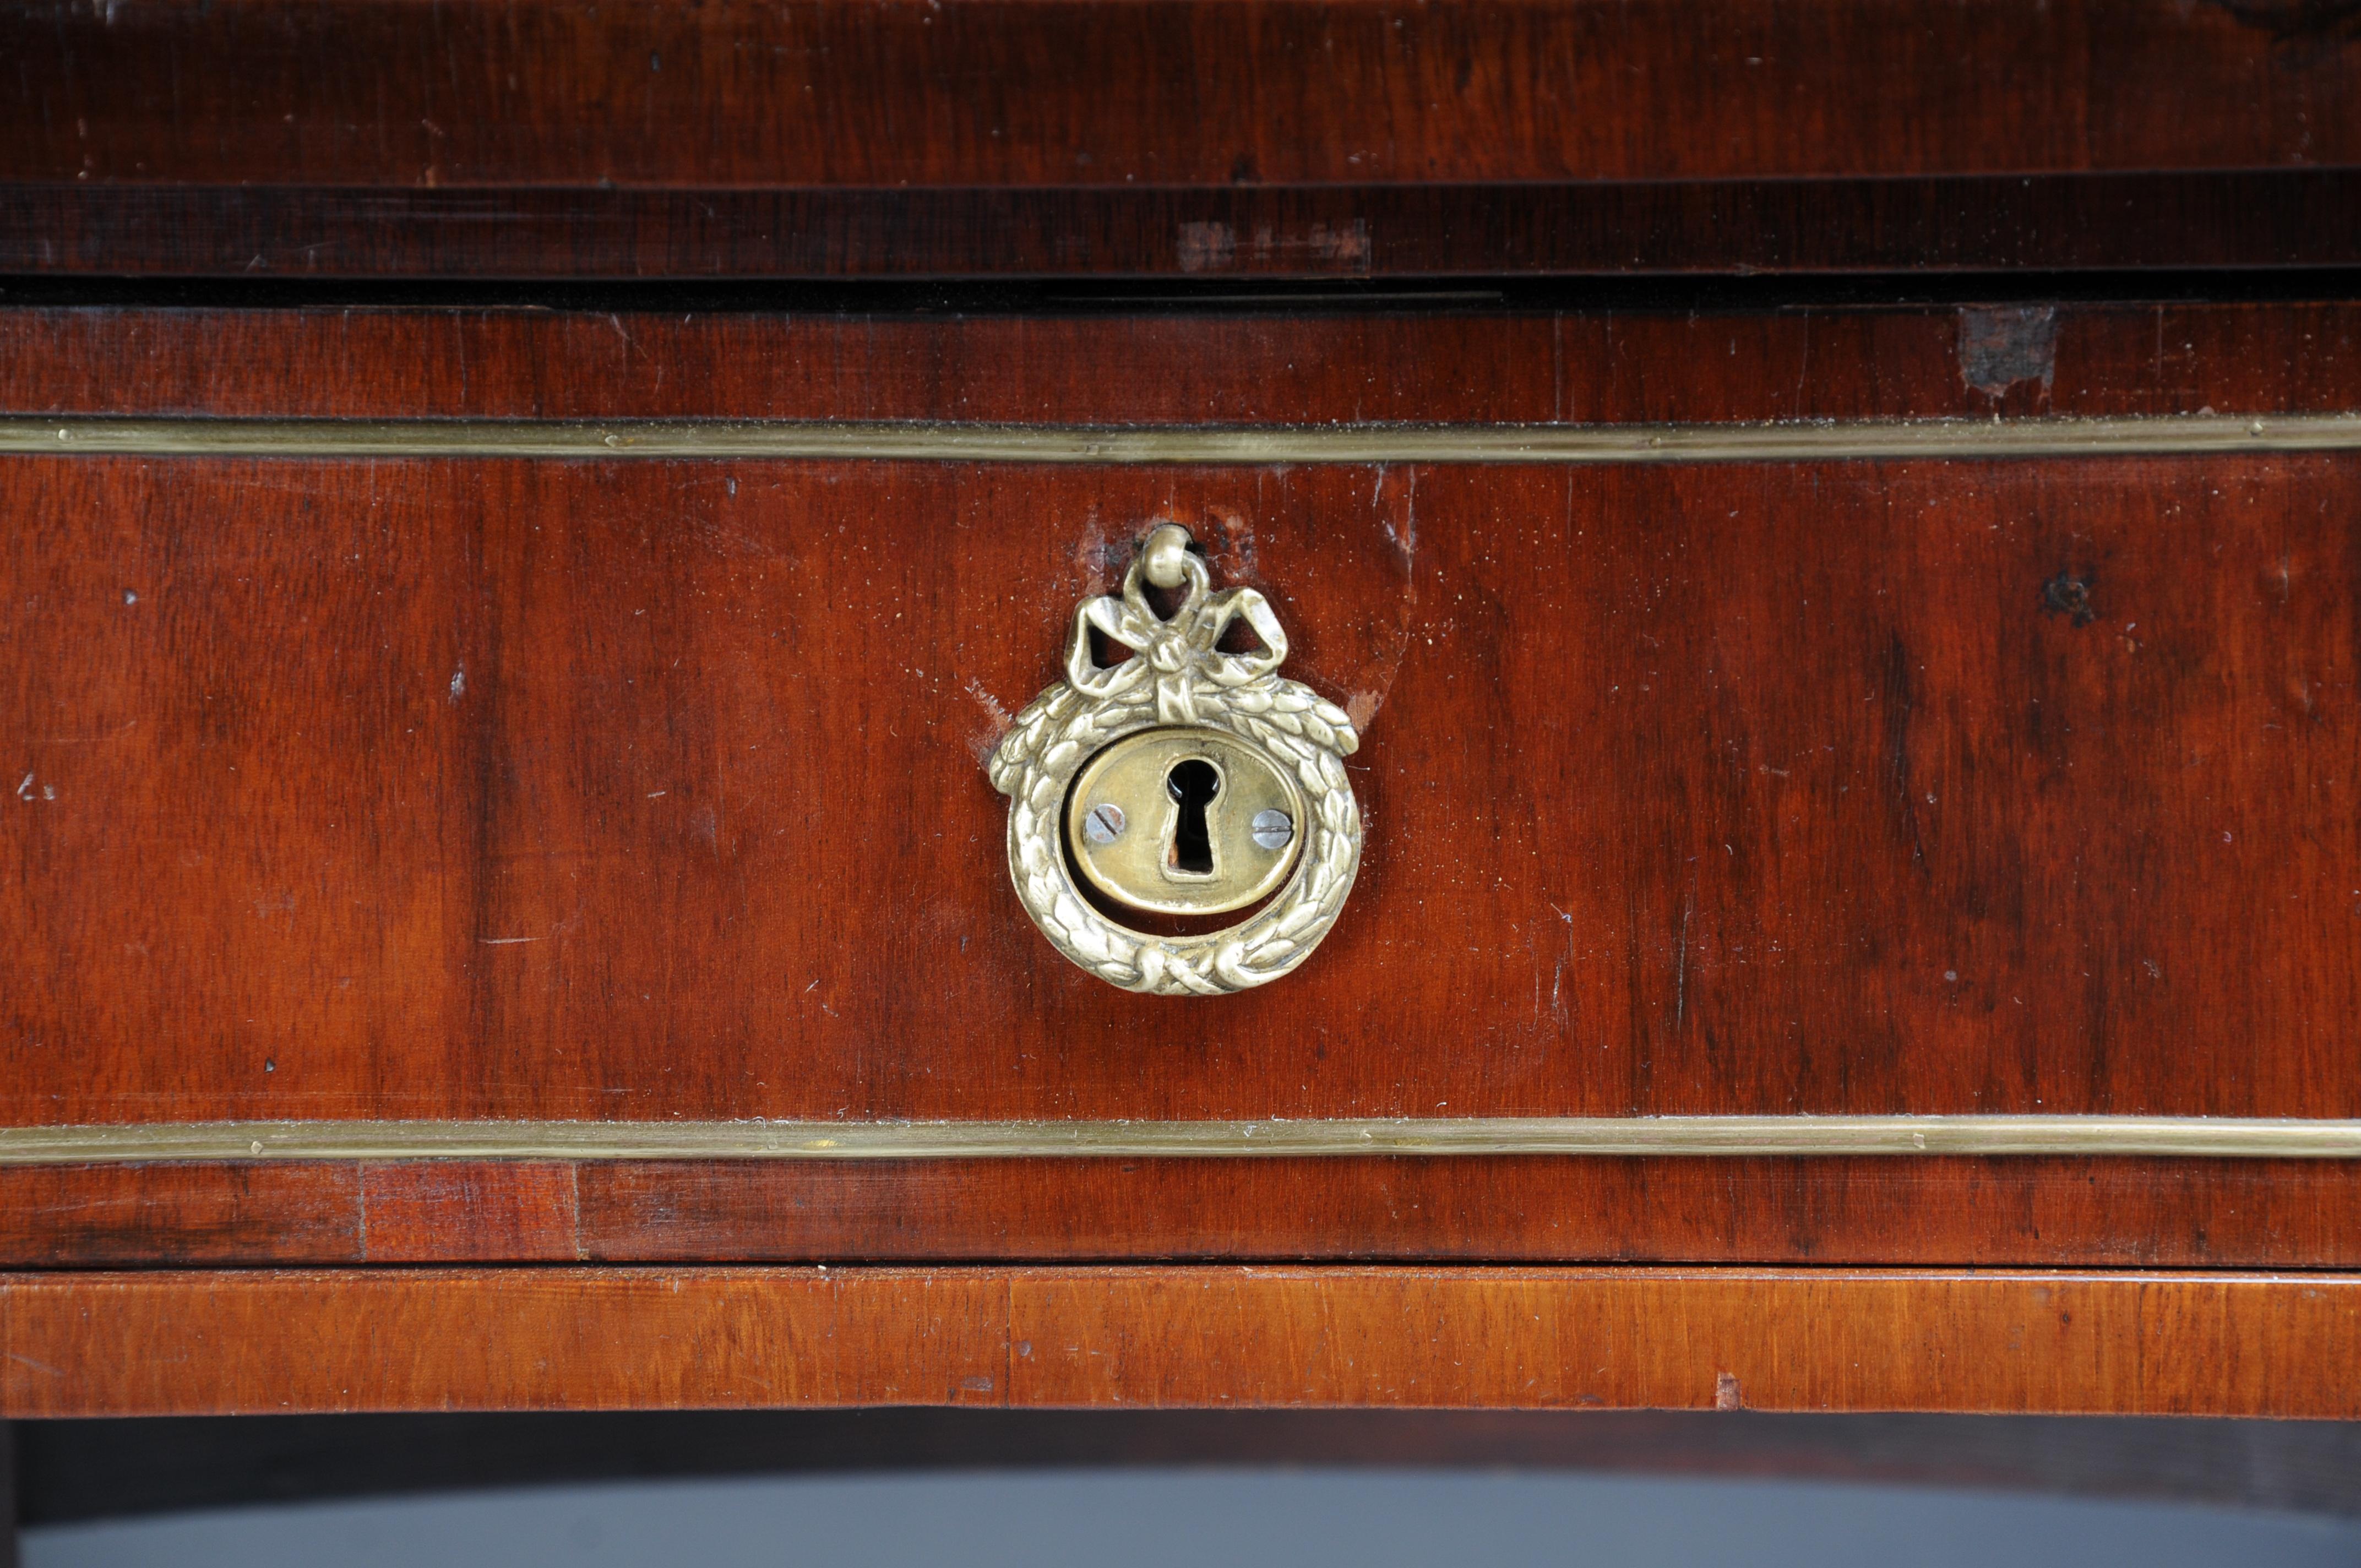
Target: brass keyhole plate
x,y
1124,818
1281,800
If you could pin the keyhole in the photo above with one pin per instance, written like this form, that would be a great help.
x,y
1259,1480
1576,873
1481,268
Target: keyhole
x,y
1194,784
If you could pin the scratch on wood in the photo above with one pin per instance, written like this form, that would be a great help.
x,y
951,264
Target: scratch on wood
x,y
984,742
1363,703
1681,964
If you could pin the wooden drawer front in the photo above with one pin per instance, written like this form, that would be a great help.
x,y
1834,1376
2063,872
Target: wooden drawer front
x,y
645,789
1201,138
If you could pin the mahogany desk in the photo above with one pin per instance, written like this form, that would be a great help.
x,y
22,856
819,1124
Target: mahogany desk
x,y
1834,524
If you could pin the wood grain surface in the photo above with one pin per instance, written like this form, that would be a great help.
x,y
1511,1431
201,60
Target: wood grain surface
x,y
467,1212
366,93
555,791
1239,365
2105,1212
2264,219
325,1341
1176,136
644,790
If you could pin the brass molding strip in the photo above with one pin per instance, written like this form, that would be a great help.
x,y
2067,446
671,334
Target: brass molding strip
x,y
2181,1137
850,441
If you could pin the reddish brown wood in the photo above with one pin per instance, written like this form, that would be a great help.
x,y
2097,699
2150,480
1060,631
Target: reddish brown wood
x,y
495,789
565,790
2219,1345
2123,1212
2259,219
469,1212
376,93
1173,136
498,1339
1247,366
286,860
2151,1344
93,1216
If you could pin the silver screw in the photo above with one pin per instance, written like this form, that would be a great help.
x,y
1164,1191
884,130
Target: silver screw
x,y
1272,830
1103,825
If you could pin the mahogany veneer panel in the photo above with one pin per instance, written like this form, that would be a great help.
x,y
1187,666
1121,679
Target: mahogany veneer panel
x,y
498,1340
2183,1345
2241,1213
511,789
84,1216
1173,137
355,716
2140,1344
2251,219
377,93
2106,1211
479,788
467,1211
1571,367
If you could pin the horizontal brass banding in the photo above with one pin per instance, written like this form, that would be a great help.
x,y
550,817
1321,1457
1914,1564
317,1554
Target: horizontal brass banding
x,y
854,440
2176,1137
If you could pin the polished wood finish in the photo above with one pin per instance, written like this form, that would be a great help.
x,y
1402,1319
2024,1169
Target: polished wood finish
x,y
1175,137
2140,1344
647,789
1235,367
2057,223
498,1339
90,1216
2178,1213
467,1211
555,791
2150,1345
1169,92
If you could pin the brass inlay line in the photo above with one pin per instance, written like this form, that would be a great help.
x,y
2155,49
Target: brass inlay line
x,y
2182,1137
844,441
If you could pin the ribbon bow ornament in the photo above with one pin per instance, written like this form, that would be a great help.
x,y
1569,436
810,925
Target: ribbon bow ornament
x,y
1176,653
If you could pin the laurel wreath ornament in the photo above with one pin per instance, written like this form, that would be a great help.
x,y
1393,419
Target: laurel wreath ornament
x,y
1179,676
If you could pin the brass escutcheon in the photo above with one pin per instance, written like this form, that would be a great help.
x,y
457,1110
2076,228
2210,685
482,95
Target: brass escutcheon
x,y
1189,778
1184,821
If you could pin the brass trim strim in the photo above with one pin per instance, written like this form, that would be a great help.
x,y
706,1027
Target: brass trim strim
x,y
848,441
2170,1137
